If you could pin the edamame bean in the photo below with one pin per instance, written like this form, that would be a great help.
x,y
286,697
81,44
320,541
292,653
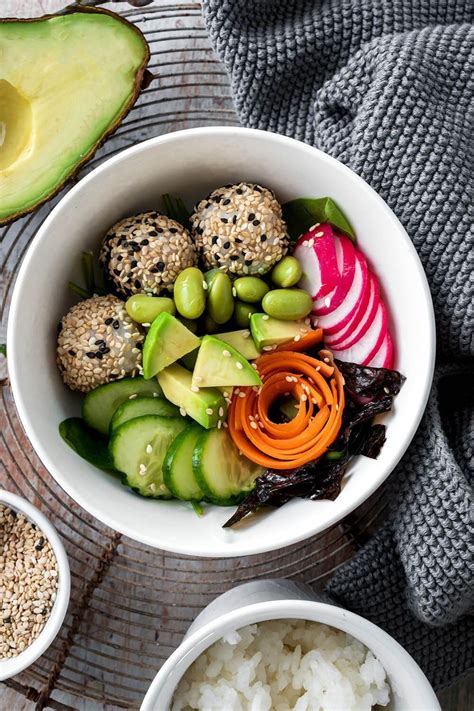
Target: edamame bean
x,y
220,302
287,304
243,312
189,293
287,272
211,275
144,309
250,289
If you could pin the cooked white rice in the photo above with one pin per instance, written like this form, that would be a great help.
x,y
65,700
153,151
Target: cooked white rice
x,y
284,665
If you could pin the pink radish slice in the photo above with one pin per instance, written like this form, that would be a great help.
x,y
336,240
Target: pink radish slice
x,y
317,256
384,356
367,346
354,331
346,258
340,317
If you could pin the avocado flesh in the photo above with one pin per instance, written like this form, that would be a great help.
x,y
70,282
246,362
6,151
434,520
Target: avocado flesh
x,y
67,81
268,331
207,406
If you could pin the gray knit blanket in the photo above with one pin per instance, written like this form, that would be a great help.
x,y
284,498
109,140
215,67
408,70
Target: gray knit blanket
x,y
386,86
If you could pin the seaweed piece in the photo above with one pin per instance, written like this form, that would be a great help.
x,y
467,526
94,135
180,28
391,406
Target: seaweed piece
x,y
176,209
317,480
364,384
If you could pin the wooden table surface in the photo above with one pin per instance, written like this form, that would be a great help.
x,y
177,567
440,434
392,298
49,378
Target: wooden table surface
x,y
460,697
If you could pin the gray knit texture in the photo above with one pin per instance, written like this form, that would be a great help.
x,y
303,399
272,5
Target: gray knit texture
x,y
386,86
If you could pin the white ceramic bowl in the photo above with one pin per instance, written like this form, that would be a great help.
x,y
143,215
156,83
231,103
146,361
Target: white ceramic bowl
x,y
190,164
14,665
283,599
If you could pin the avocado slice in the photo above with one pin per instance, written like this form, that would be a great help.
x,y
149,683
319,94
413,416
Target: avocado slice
x,y
167,340
205,405
268,331
67,82
242,341
219,364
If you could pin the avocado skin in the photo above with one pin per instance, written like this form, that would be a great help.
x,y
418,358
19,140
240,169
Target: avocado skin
x,y
142,79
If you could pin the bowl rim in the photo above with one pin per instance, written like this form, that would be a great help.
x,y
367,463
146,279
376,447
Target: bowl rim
x,y
221,549
11,666
311,610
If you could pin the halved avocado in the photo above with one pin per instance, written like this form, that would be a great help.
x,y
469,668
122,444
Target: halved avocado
x,y
67,81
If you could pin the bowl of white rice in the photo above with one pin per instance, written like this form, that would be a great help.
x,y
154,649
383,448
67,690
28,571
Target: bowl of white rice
x,y
270,645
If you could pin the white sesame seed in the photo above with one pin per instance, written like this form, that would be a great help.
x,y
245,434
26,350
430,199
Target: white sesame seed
x,y
297,337
209,411
226,353
197,378
319,234
326,360
234,292
221,412
245,333
156,394
254,425
238,365
289,379
194,388
267,348
182,412
242,394
387,391
219,424
132,396
147,324
327,301
265,317
204,285
149,449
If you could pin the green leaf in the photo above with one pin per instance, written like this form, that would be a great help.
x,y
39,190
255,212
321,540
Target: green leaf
x,y
3,349
176,209
303,213
86,442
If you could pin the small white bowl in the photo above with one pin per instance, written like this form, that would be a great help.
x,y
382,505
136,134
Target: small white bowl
x,y
283,599
14,665
189,164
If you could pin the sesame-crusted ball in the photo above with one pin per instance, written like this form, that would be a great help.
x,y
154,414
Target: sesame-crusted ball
x,y
239,228
145,253
98,342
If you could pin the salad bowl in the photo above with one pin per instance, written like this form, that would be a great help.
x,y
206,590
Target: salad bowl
x,y
189,164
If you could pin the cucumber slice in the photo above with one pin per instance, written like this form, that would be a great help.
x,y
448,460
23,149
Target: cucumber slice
x,y
138,448
100,404
224,475
140,406
178,465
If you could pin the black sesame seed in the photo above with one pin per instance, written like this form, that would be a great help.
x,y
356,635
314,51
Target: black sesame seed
x,y
113,376
116,325
137,284
154,270
119,258
152,233
251,216
33,526
7,620
200,230
117,272
173,230
108,321
248,262
234,220
160,266
257,188
234,257
214,239
40,544
238,240
226,245
226,202
224,220
263,238
239,191
159,229
99,355
136,249
90,355
105,349
133,263
256,222
132,243
140,346
100,342
216,257
72,353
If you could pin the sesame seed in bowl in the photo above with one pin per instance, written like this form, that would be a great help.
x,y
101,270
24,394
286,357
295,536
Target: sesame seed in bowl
x,y
34,584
